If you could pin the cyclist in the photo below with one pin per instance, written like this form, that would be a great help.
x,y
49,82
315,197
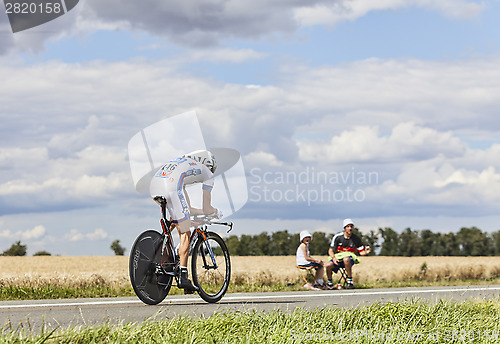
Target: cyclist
x,y
170,182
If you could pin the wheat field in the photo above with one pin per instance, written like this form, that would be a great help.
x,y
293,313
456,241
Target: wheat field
x,y
112,271
374,269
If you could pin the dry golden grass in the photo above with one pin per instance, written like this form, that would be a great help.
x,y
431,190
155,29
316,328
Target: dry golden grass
x,y
374,269
62,271
112,271
390,269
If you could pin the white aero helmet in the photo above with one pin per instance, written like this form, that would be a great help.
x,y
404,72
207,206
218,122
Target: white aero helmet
x,y
305,234
205,157
348,222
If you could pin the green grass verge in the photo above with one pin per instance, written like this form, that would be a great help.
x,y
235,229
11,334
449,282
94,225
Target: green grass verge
x,y
10,293
405,322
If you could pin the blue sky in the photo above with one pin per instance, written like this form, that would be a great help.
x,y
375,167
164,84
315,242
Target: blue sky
x,y
404,90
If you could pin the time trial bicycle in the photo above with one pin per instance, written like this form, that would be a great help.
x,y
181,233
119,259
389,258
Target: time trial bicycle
x,y
154,262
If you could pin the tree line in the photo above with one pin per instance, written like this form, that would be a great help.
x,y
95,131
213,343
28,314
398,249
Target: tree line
x,y
384,242
18,249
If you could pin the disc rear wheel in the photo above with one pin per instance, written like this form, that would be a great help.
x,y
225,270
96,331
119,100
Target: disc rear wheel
x,y
150,285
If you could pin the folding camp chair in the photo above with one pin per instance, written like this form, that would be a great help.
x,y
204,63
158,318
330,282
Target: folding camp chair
x,y
343,274
305,272
343,277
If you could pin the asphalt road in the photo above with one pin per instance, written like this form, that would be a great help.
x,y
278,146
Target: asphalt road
x,y
75,312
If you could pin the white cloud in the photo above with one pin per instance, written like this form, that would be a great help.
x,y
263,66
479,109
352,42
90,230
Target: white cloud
x,y
455,8
442,95
199,23
98,234
444,182
32,181
225,55
19,158
262,159
74,155
34,233
81,189
452,95
336,12
406,142
419,168
76,235
37,232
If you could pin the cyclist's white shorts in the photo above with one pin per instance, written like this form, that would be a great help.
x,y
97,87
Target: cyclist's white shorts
x,y
177,206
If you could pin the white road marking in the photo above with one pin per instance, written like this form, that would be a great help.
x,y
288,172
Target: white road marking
x,y
254,297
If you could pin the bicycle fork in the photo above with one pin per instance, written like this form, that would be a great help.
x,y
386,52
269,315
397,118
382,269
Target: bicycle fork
x,y
202,235
212,256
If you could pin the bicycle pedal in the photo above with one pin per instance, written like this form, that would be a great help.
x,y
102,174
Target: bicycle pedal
x,y
188,292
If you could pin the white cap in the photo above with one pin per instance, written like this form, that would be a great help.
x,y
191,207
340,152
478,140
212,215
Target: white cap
x,y
348,222
304,234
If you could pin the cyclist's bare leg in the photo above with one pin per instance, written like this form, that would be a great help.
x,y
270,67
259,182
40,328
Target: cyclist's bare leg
x,y
185,235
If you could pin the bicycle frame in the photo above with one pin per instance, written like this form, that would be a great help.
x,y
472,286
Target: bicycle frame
x,y
199,231
167,233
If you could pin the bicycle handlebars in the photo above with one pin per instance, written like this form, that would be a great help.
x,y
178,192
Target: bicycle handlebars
x,y
200,220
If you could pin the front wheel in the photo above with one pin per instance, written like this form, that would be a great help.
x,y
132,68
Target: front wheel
x,y
211,267
145,258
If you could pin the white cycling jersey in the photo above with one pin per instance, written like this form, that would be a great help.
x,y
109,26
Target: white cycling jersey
x,y
170,179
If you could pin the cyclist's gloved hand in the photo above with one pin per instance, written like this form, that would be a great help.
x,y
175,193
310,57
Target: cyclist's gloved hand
x,y
219,214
